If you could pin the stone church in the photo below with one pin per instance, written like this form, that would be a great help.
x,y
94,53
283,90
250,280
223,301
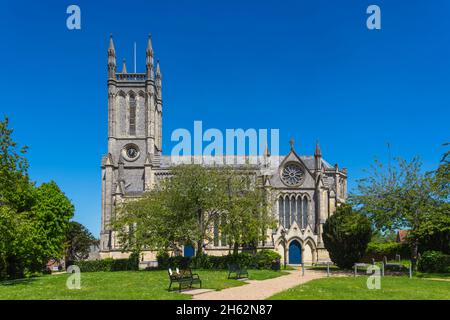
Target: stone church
x,y
305,189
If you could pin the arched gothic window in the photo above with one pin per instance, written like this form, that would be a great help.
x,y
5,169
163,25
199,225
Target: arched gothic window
x,y
299,211
305,213
293,208
132,115
287,218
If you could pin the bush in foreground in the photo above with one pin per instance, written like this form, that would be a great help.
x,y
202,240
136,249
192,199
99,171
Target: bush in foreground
x,y
109,264
434,261
389,250
346,235
261,260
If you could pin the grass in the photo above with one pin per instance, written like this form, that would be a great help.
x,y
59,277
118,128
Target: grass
x,y
355,288
441,276
127,285
323,268
404,263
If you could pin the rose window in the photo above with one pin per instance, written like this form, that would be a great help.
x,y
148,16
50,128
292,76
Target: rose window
x,y
292,174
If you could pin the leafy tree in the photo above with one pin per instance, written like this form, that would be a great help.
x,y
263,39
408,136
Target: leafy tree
x,y
399,197
196,195
33,220
180,211
346,235
186,207
16,190
442,175
384,237
433,232
78,242
246,216
52,213
8,232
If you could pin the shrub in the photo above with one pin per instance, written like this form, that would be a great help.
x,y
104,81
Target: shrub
x,y
262,259
434,261
389,250
109,264
265,258
163,260
203,261
346,235
94,265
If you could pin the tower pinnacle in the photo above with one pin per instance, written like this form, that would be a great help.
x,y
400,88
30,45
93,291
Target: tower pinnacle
x,y
149,58
318,152
318,157
124,66
158,79
111,58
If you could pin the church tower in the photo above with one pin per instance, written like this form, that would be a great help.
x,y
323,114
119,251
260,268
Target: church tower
x,y
134,136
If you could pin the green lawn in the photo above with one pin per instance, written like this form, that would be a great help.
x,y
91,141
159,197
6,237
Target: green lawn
x,y
355,288
118,285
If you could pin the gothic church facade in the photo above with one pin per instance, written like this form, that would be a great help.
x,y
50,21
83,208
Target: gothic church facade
x,y
305,190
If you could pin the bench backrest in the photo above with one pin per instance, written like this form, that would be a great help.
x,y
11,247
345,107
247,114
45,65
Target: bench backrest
x,y
234,267
186,272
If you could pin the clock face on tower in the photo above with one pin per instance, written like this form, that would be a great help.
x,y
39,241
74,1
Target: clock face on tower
x,y
130,152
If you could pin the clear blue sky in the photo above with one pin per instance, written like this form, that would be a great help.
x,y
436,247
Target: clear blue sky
x,y
310,68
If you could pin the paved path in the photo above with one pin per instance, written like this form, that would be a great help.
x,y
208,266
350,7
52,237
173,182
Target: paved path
x,y
262,289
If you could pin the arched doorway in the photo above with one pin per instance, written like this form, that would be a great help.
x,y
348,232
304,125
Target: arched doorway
x,y
295,252
189,251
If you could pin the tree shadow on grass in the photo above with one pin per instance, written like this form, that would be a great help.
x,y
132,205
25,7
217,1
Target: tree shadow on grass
x,y
14,282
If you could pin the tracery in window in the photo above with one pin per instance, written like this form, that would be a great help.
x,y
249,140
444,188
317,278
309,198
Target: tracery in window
x,y
132,118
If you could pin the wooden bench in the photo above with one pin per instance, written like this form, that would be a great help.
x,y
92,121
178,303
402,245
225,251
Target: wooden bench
x,y
183,278
235,268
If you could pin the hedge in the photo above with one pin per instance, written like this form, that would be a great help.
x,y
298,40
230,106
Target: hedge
x,y
261,260
389,250
109,264
434,261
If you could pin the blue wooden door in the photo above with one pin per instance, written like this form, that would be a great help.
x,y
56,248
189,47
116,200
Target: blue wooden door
x,y
189,251
295,252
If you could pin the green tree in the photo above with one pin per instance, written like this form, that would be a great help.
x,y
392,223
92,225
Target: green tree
x,y
78,242
186,207
16,190
52,213
196,195
16,198
245,217
346,235
398,197
433,232
182,210
33,220
442,176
